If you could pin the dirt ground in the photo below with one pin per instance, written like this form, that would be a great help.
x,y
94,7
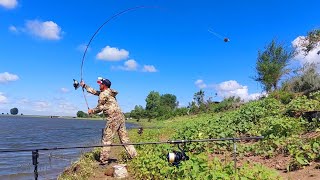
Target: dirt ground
x,y
106,172
280,162
308,173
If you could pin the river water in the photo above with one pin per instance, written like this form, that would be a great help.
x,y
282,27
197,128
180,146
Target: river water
x,y
19,132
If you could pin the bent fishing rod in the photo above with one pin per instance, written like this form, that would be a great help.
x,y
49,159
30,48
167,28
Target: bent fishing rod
x,y
75,82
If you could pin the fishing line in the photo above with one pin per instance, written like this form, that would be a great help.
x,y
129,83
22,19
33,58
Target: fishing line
x,y
216,34
225,39
95,33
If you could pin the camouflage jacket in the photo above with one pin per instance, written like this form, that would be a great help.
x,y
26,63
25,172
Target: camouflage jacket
x,y
107,102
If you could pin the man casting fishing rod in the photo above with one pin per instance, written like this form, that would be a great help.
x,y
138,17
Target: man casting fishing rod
x,y
108,104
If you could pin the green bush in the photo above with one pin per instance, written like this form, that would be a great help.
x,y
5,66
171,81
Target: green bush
x,y
284,97
82,114
278,127
306,81
226,104
302,104
315,95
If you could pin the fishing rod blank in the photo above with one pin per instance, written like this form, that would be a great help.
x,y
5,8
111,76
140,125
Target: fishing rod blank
x,y
75,82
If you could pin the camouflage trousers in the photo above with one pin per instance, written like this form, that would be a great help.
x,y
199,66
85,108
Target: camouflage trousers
x,y
115,125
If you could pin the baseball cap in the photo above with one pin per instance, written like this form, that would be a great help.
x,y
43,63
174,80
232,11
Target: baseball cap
x,y
104,81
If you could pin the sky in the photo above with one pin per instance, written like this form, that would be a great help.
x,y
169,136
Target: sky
x,y
171,46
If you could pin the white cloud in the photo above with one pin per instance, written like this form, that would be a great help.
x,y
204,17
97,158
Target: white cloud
x,y
64,90
130,65
13,29
149,68
200,84
9,4
230,86
82,47
56,106
45,30
23,101
233,88
63,107
3,99
41,105
66,107
112,54
6,77
311,57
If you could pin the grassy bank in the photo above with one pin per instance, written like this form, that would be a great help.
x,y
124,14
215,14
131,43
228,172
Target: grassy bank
x,y
152,163
290,144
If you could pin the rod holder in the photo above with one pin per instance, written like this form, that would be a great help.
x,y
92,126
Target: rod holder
x,y
235,157
102,134
35,156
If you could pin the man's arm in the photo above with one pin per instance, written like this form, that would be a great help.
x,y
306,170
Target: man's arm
x,y
89,89
97,109
101,103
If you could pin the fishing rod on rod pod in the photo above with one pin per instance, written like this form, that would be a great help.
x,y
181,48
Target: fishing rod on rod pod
x,y
173,158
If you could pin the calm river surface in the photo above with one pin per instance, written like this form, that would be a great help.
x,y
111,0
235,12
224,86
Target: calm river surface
x,y
18,132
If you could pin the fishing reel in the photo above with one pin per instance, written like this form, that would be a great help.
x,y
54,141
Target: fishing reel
x,y
176,157
76,84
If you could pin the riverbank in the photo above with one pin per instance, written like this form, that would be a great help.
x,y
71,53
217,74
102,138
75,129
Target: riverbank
x,y
87,167
209,160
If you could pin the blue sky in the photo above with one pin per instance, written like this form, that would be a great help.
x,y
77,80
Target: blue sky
x,y
167,49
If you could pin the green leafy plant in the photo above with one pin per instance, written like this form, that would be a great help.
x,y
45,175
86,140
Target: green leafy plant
x,y
302,104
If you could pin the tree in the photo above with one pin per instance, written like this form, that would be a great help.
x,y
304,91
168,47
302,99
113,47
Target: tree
x,y
14,111
152,104
169,100
152,100
193,108
306,81
82,114
126,115
198,97
310,42
181,111
138,112
271,65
